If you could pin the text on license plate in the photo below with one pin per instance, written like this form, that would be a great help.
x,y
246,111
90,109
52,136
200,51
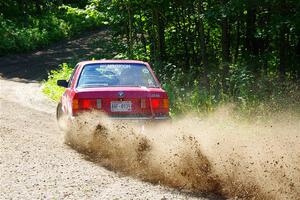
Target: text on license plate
x,y
120,106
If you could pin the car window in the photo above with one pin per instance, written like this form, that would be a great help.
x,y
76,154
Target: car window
x,y
104,75
72,76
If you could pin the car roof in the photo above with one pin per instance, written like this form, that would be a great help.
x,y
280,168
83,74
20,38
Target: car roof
x,y
112,61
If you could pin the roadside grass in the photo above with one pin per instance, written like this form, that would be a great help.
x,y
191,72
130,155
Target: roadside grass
x,y
50,87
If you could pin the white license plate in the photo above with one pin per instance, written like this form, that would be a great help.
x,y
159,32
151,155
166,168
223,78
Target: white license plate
x,y
120,106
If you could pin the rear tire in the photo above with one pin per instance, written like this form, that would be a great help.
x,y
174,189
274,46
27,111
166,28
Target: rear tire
x,y
59,112
60,117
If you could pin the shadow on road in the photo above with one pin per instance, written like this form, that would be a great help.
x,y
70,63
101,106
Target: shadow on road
x,y
32,67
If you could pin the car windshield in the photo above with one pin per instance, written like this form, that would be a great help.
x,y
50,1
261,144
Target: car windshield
x,y
116,75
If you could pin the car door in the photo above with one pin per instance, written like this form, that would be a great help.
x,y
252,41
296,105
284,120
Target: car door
x,y
67,95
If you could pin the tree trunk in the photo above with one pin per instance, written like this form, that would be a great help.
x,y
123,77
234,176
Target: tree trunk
x,y
203,45
38,7
225,40
298,56
250,29
237,45
200,27
185,39
161,35
283,48
143,39
129,37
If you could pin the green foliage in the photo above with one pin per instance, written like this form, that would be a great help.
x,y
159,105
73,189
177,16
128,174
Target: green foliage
x,y
39,31
50,88
80,19
240,83
209,35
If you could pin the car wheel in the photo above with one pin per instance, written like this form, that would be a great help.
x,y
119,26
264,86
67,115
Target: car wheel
x,y
60,117
59,112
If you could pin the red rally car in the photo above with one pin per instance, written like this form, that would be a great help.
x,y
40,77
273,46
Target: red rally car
x,y
123,89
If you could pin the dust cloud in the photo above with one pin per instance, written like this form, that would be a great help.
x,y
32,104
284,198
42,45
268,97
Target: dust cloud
x,y
217,154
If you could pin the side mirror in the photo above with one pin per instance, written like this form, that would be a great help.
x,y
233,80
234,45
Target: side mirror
x,y
62,83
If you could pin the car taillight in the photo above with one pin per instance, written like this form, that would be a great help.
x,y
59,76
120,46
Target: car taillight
x,y
84,104
160,103
166,103
154,103
75,104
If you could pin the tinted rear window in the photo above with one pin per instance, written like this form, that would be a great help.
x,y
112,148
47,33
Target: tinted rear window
x,y
116,75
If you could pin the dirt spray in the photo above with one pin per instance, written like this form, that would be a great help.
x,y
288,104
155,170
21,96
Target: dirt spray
x,y
216,154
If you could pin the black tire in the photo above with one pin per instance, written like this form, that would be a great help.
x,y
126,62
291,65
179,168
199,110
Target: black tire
x,y
60,117
59,112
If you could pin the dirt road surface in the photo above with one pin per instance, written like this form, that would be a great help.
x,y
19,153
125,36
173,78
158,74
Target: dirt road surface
x,y
34,161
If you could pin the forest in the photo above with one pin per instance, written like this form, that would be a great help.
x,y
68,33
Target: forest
x,y
205,52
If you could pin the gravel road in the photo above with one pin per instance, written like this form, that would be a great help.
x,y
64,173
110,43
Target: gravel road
x,y
36,164
34,161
